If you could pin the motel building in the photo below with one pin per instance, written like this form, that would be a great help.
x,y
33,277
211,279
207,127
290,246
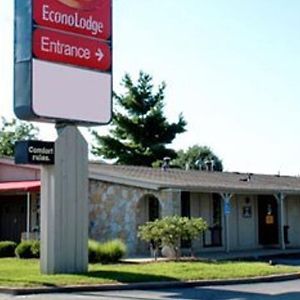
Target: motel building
x,y
244,212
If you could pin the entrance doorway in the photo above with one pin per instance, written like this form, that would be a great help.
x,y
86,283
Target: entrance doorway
x,y
148,209
12,217
267,220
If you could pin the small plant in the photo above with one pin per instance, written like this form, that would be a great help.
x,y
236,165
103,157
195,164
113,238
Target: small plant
x,y
170,230
36,249
28,249
109,252
7,249
93,246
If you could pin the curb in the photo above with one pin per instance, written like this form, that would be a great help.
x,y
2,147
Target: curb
x,y
148,285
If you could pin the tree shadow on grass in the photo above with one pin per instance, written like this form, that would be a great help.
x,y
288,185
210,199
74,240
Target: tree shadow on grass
x,y
128,277
20,283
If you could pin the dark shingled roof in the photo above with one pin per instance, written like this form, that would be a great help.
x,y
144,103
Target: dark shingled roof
x,y
204,181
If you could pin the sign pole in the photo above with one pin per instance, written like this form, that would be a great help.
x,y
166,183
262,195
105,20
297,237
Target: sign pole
x,y
64,206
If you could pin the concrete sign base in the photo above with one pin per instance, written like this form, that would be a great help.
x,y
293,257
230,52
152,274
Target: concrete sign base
x,y
64,206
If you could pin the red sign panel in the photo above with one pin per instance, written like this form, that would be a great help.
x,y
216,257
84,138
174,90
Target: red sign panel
x,y
87,17
70,49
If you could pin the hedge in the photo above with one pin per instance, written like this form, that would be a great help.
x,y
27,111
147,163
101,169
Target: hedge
x,y
109,252
7,249
28,249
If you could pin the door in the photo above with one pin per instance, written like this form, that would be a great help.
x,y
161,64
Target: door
x,y
153,208
12,217
213,236
267,220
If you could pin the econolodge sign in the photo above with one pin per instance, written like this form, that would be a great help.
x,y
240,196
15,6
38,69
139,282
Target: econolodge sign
x,y
89,18
63,61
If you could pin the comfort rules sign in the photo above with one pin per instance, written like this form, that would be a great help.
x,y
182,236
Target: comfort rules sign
x,y
63,61
34,152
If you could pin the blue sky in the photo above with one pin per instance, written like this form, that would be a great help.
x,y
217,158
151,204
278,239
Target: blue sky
x,y
231,67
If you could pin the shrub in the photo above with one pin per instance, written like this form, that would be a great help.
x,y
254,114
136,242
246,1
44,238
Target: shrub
x,y
170,230
28,249
7,249
93,246
109,252
36,249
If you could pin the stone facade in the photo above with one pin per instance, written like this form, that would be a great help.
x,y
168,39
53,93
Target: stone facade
x,y
116,211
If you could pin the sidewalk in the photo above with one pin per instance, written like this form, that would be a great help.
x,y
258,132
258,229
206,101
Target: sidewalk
x,y
255,254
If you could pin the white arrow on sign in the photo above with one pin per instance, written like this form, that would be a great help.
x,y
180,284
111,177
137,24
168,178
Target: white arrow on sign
x,y
99,54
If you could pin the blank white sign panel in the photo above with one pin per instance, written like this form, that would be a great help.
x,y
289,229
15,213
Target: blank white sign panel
x,y
65,92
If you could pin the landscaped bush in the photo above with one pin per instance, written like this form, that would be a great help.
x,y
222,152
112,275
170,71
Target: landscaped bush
x,y
93,246
7,249
28,249
36,249
109,252
112,251
170,230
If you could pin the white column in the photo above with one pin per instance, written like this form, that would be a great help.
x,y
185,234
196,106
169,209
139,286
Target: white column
x,y
64,206
28,216
226,207
280,204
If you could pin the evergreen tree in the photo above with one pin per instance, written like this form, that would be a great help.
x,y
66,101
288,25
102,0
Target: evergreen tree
x,y
140,131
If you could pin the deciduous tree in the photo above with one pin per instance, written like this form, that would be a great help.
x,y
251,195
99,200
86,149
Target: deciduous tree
x,y
198,158
12,131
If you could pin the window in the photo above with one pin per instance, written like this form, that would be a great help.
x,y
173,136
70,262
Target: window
x,y
185,212
216,210
185,204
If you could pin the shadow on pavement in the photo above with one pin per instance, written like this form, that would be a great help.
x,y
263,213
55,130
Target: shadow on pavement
x,y
220,294
191,294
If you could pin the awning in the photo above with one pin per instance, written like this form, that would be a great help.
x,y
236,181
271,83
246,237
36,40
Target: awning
x,y
20,186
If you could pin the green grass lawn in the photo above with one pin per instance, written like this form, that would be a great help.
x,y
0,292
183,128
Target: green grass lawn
x,y
24,273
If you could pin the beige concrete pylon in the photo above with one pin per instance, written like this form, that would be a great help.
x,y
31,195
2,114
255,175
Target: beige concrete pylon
x,y
64,206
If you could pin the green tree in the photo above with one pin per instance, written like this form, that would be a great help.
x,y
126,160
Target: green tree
x,y
12,131
197,157
170,230
140,131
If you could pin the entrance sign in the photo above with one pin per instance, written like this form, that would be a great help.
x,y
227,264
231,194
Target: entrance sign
x,y
63,61
34,152
69,49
